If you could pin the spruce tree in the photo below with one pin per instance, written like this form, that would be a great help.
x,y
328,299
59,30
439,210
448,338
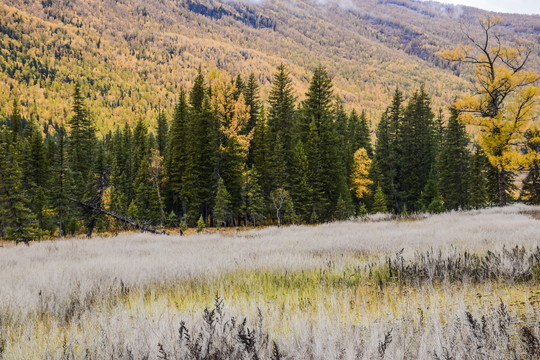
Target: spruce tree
x,y
82,143
416,154
281,122
176,156
453,163
15,120
255,199
222,209
379,201
18,221
386,164
300,185
530,192
162,133
477,180
327,172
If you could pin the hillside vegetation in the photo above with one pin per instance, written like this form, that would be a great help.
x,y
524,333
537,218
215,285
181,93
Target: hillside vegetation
x,y
133,56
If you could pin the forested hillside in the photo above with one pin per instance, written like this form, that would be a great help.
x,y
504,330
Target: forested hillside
x,y
131,57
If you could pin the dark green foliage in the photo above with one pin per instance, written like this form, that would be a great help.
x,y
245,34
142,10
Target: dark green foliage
x,y
430,194
386,162
176,155
201,156
416,154
453,164
82,143
477,180
162,133
255,198
300,184
15,120
281,121
379,202
326,171
222,210
18,222
531,184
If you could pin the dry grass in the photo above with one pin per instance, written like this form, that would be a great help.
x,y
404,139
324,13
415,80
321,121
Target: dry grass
x,y
358,289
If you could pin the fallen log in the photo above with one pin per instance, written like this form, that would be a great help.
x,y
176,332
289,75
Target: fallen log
x,y
123,219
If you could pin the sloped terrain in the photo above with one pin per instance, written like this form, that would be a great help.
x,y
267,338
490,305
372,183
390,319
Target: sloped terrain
x,y
133,55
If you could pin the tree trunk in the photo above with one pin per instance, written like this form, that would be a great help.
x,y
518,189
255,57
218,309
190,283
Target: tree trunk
x,y
278,218
502,187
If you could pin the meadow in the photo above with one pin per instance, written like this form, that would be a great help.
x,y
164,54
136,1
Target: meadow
x,y
460,285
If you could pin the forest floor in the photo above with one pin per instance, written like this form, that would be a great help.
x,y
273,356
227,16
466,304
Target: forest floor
x,y
450,286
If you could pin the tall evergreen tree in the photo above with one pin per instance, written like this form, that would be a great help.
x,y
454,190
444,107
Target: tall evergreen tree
x,y
386,164
281,122
300,185
416,148
176,156
477,179
162,133
15,119
82,143
18,221
531,184
222,210
327,172
453,163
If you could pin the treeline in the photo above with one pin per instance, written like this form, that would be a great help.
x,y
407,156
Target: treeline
x,y
226,158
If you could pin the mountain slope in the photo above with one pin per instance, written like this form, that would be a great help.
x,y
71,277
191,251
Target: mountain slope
x,y
133,55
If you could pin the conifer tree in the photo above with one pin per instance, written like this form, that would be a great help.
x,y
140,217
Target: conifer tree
x,y
430,199
255,198
82,143
60,179
477,180
18,221
453,163
15,119
261,146
176,156
386,164
281,122
359,133
222,209
300,185
379,201
416,148
531,184
162,133
327,172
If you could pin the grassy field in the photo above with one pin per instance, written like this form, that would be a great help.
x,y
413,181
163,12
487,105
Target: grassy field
x,y
453,286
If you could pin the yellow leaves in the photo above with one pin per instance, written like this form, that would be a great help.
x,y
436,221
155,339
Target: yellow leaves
x,y
233,116
505,104
488,21
457,54
360,172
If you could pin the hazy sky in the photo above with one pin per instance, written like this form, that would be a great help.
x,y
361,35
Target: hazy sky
x,y
507,6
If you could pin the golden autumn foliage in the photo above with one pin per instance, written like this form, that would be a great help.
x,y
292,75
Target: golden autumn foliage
x,y
233,115
504,106
360,173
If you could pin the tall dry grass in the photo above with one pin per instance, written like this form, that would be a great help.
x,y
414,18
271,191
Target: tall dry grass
x,y
450,286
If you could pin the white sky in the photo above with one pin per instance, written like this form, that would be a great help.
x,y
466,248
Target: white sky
x,y
507,6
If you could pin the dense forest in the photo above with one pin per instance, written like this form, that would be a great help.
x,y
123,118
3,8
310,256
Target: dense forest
x,y
228,158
